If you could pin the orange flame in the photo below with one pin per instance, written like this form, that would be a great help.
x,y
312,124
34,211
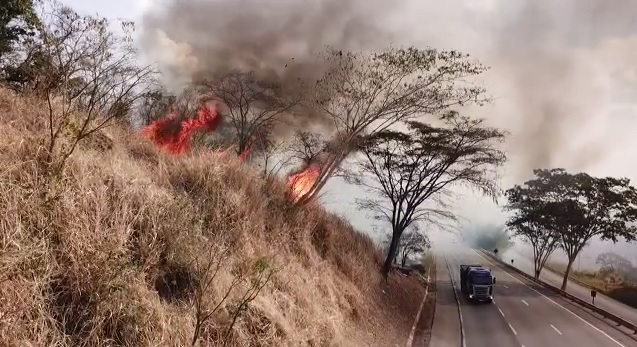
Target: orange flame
x,y
301,182
175,136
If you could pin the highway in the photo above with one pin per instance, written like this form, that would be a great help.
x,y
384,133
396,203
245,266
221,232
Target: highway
x,y
628,313
523,313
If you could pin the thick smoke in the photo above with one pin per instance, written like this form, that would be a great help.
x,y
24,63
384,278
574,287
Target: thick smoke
x,y
279,40
559,66
560,69
273,38
487,236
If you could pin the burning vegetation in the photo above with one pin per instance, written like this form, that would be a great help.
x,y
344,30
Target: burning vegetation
x,y
174,134
176,250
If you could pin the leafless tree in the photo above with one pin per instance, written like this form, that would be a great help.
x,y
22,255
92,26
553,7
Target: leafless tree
x,y
412,242
409,171
252,277
253,105
155,104
366,94
92,78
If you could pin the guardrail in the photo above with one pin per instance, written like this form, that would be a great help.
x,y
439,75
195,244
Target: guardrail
x,y
618,320
570,278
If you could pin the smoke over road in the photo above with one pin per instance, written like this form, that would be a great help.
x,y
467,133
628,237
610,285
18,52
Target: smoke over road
x,y
487,236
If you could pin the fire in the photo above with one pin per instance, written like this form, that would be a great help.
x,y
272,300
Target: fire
x,y
301,182
175,136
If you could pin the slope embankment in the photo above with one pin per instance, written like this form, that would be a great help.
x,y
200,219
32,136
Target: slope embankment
x,y
127,246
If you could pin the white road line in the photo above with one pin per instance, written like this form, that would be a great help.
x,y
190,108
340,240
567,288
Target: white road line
x,y
526,303
554,328
505,286
514,332
551,300
457,297
502,313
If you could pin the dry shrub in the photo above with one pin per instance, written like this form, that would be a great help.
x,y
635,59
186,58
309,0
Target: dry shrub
x,y
116,258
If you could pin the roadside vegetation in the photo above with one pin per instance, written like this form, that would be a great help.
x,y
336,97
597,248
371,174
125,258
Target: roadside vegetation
x,y
558,209
204,227
615,277
137,217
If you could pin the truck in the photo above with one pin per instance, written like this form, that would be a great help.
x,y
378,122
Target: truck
x,y
476,283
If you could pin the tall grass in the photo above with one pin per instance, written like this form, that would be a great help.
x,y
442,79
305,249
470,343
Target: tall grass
x,y
117,250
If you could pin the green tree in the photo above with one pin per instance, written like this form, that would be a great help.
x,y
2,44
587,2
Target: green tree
x,y
411,172
580,207
18,20
531,221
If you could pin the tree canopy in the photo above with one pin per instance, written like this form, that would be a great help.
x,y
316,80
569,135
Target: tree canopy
x,y
410,172
365,94
577,207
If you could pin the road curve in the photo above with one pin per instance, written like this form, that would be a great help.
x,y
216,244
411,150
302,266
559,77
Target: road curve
x,y
604,302
523,314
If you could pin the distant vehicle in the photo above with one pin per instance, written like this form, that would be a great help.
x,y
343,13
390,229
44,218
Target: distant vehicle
x,y
476,283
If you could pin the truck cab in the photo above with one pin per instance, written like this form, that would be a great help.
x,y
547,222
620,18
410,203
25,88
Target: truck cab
x,y
476,283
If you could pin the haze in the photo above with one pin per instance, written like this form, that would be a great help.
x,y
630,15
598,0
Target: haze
x,y
562,76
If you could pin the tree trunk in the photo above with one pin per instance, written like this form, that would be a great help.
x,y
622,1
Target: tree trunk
x,y
536,265
566,273
391,255
404,259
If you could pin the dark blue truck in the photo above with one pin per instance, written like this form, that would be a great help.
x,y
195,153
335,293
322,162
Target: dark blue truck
x,y
476,283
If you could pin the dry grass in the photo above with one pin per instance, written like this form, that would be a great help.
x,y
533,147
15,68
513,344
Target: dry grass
x,y
613,286
113,254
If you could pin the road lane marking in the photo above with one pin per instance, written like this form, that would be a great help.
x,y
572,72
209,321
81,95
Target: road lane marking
x,y
514,332
526,303
505,286
551,300
457,296
502,313
410,340
554,328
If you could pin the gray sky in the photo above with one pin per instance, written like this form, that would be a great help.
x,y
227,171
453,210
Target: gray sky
x,y
563,74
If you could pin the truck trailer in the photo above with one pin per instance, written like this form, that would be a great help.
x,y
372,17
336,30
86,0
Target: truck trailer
x,y
476,283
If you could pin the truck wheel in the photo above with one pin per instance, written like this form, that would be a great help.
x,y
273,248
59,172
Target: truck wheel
x,y
489,301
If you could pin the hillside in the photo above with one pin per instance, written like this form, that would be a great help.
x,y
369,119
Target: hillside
x,y
127,243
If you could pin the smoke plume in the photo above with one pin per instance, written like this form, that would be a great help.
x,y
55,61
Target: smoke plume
x,y
559,66
278,38
562,76
487,236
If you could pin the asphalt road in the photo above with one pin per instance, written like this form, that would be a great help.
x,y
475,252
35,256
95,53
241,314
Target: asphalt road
x,y
523,313
628,313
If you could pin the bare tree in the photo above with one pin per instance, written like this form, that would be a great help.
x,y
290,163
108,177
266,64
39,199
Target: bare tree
x,y
412,242
411,171
155,104
253,277
93,78
254,106
366,94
